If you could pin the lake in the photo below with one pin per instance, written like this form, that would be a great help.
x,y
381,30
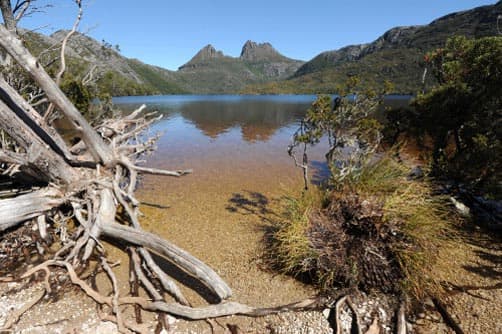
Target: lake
x,y
233,135
227,134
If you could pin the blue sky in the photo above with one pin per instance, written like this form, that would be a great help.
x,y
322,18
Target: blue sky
x,y
168,33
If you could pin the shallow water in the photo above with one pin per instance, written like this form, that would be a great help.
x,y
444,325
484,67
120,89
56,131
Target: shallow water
x,y
236,146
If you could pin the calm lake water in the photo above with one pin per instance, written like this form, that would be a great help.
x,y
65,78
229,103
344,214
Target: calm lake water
x,y
224,132
230,133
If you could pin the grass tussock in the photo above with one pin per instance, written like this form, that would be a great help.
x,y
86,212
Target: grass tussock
x,y
379,230
289,249
426,221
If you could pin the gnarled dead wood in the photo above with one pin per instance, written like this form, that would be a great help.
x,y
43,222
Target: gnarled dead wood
x,y
225,308
62,57
18,209
193,313
44,164
179,257
105,214
54,138
13,158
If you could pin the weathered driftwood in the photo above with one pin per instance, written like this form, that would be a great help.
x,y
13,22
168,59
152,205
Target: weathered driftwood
x,y
44,163
194,313
180,257
105,214
14,211
54,137
13,158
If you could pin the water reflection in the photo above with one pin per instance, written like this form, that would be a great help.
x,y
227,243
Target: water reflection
x,y
257,117
229,139
258,120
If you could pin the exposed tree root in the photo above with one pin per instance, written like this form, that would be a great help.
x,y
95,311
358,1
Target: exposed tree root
x,y
448,319
14,317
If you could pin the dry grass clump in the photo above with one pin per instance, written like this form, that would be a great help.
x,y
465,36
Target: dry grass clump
x,y
379,230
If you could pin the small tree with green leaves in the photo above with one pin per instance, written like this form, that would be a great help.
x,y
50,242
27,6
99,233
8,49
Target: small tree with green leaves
x,y
351,134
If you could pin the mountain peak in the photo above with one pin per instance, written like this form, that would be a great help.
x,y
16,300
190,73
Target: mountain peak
x,y
204,55
208,52
253,52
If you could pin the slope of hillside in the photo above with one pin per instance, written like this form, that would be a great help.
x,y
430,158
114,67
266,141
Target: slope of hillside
x,y
396,56
208,72
113,73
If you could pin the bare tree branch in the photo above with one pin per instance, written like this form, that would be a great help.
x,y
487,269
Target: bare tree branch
x,y
62,57
20,9
8,15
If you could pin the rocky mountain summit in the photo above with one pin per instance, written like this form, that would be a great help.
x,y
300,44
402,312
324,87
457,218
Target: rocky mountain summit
x,y
210,71
254,52
203,57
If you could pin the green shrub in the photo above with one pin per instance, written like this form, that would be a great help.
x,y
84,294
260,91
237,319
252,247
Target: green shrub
x,y
78,94
463,113
290,250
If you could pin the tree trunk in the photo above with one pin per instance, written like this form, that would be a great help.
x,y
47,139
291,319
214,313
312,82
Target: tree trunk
x,y
8,15
14,211
100,151
43,163
11,25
